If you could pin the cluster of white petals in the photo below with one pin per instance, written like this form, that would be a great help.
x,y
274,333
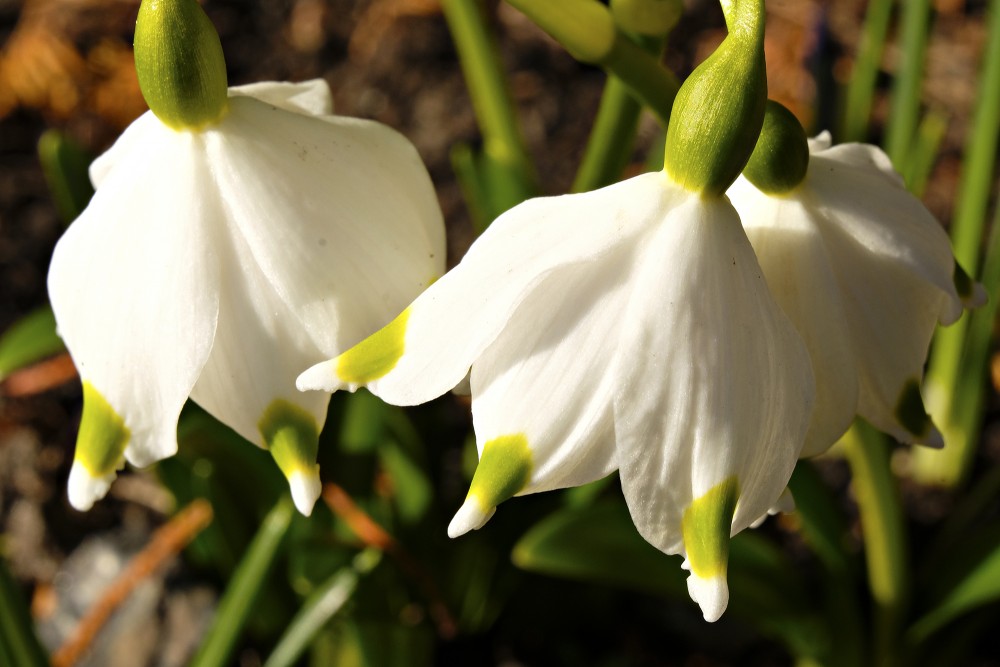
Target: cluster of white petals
x,y
865,273
217,263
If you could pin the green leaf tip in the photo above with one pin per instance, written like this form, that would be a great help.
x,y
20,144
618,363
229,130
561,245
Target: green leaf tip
x,y
719,110
780,159
179,61
650,18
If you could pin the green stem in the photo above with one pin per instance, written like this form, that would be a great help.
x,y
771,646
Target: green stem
x,y
513,174
862,86
246,584
587,30
918,167
18,641
884,536
611,138
949,467
905,106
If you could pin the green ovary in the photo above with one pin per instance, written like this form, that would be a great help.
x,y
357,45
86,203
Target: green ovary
x,y
100,444
376,355
504,470
291,435
706,527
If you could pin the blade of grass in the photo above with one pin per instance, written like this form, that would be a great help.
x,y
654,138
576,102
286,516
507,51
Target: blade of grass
x,y
918,167
18,640
322,605
30,339
508,165
65,166
883,528
248,580
861,88
904,109
946,398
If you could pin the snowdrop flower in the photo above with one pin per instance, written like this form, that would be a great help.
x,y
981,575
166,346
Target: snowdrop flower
x,y
234,237
626,328
859,265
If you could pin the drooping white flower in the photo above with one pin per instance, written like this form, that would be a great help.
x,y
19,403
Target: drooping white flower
x,y
629,327
626,328
215,261
863,270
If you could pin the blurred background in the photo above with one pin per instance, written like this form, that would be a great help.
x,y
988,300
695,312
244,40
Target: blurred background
x,y
67,65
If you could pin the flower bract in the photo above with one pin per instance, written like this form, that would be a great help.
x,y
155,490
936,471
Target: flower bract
x,y
214,263
626,328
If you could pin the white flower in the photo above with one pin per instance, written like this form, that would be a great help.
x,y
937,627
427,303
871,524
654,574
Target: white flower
x,y
216,263
626,328
865,273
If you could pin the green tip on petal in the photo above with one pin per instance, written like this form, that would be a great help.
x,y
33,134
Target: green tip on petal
x,y
100,450
504,470
780,159
706,526
179,61
652,18
912,415
719,110
376,355
971,293
292,436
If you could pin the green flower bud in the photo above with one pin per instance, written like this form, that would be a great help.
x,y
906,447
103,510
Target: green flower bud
x,y
719,110
650,18
178,57
781,158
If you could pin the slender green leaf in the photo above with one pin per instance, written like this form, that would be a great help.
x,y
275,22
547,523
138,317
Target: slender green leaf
x,y
610,145
980,585
465,164
321,606
861,89
904,109
917,169
507,167
18,642
65,165
29,340
246,584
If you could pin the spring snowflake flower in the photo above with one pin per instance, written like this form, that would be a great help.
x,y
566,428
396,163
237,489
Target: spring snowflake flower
x,y
218,257
626,328
860,266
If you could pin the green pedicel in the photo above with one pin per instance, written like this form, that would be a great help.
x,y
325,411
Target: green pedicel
x,y
706,526
100,444
179,61
376,355
292,436
504,470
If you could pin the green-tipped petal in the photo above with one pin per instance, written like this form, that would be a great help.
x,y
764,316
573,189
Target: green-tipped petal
x,y
292,436
719,110
780,159
100,450
503,471
179,61
706,525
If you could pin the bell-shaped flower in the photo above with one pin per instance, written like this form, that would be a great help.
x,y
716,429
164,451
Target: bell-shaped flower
x,y
219,257
626,328
859,265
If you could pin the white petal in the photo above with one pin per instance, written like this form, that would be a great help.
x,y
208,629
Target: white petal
x,y
430,348
311,97
711,594
85,488
854,187
798,270
546,380
821,141
133,287
715,385
343,219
